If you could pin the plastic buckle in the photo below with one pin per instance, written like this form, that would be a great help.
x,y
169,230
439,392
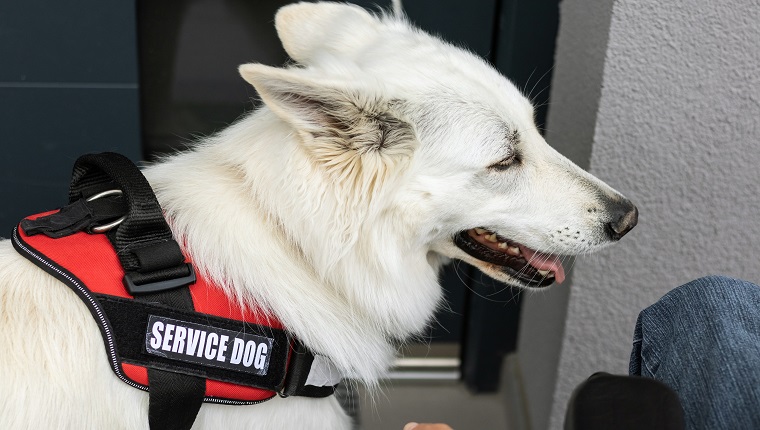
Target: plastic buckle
x,y
155,287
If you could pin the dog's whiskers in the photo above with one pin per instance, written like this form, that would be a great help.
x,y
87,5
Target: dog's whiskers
x,y
535,84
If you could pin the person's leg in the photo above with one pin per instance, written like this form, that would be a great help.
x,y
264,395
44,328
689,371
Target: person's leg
x,y
703,340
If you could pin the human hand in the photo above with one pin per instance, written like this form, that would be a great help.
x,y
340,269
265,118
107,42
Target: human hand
x,y
415,426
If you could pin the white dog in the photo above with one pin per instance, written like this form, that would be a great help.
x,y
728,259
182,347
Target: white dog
x,y
382,154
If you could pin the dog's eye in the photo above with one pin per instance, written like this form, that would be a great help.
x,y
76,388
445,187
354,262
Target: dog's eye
x,y
505,163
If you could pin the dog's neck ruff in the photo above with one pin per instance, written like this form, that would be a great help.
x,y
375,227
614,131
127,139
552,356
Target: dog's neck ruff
x,y
244,355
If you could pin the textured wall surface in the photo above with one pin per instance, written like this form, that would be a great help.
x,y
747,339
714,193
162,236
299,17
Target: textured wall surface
x,y
677,132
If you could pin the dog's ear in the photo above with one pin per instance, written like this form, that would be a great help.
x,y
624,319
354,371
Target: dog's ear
x,y
345,130
305,104
309,29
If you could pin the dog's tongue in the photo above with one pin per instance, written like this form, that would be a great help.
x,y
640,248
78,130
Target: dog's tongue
x,y
542,261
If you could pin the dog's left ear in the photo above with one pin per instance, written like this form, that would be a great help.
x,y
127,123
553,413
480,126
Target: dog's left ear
x,y
305,104
340,127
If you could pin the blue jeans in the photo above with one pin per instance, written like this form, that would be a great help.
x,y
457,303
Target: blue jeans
x,y
703,340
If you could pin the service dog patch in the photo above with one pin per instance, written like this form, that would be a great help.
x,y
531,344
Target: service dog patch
x,y
208,346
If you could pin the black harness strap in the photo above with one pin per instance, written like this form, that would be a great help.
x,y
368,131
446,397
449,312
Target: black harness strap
x,y
155,272
143,240
175,399
78,216
301,360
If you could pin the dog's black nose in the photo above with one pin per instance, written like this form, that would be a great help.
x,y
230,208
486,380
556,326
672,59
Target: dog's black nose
x,y
624,217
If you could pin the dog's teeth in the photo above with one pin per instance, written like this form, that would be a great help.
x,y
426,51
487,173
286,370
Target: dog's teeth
x,y
513,250
502,245
480,231
492,238
544,272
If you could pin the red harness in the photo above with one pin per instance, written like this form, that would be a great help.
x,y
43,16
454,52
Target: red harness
x,y
91,259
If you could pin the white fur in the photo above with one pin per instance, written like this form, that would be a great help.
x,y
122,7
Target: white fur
x,y
332,206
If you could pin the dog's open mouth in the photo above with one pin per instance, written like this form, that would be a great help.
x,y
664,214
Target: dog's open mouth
x,y
534,268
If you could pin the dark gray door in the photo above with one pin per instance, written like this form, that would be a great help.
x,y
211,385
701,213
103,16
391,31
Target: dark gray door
x,y
68,85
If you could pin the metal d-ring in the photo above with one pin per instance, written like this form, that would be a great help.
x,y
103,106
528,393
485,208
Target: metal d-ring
x,y
105,227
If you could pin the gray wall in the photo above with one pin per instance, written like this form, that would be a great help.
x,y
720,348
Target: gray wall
x,y
676,131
